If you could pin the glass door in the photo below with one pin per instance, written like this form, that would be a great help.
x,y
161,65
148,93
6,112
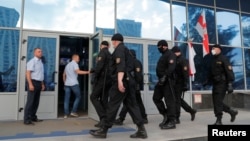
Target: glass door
x,y
95,41
49,45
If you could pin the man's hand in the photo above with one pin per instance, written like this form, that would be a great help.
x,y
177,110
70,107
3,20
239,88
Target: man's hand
x,y
230,88
162,80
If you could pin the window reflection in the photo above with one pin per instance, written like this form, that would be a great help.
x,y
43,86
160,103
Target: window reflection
x,y
228,28
10,13
179,21
247,66
67,15
147,19
245,22
194,12
9,42
105,16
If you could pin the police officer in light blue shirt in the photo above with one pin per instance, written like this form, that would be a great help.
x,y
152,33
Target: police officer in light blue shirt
x,y
35,77
70,80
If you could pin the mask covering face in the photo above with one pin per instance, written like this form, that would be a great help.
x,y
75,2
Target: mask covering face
x,y
160,49
213,52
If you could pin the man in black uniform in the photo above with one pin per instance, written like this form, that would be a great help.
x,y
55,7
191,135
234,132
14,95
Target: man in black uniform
x,y
222,76
181,84
138,75
122,90
164,88
102,82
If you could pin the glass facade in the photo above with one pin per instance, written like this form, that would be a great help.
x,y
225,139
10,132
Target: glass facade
x,y
174,20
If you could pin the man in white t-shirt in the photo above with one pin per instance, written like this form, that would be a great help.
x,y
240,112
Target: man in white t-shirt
x,y
71,83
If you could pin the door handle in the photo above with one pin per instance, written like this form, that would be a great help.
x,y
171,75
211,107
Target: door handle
x,y
23,57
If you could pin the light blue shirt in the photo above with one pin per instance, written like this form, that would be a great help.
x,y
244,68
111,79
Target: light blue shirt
x,y
35,66
71,75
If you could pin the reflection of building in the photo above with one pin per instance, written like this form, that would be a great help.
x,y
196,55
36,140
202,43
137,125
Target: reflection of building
x,y
125,27
8,18
246,33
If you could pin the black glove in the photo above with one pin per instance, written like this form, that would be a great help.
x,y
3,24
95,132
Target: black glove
x,y
162,80
230,88
92,70
185,87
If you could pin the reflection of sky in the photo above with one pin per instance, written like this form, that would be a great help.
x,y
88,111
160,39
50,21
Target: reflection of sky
x,y
178,21
226,19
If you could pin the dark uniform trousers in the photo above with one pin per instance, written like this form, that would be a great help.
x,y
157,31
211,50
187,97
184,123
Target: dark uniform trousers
x,y
164,91
219,92
139,101
32,103
128,99
100,95
180,102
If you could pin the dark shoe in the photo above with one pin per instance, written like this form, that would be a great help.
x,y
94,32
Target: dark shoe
x,y
37,120
169,125
99,124
119,121
218,122
177,121
233,114
164,121
28,123
140,133
145,121
193,115
100,133
92,131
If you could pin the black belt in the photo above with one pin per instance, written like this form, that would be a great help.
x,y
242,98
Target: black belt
x,y
36,81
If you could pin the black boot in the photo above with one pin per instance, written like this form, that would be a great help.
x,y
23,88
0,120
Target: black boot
x,y
140,133
177,121
193,114
164,121
233,114
169,125
119,121
218,121
100,133
99,124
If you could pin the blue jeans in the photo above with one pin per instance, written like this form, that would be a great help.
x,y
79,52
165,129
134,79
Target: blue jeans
x,y
76,90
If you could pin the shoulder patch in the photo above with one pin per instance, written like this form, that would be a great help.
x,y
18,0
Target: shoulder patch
x,y
230,67
171,61
219,62
118,60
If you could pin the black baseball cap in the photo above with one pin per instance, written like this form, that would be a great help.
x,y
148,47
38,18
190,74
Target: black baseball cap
x,y
162,43
117,37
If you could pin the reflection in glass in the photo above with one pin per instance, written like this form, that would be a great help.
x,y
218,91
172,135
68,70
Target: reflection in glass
x,y
138,50
48,46
247,66
194,12
105,16
179,21
147,19
10,13
233,4
9,43
153,57
228,28
245,22
57,15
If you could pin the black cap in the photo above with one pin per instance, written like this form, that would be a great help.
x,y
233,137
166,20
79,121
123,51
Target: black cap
x,y
117,37
217,46
175,49
132,52
106,43
162,43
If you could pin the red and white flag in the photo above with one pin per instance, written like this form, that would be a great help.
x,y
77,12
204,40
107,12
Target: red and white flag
x,y
201,27
191,55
